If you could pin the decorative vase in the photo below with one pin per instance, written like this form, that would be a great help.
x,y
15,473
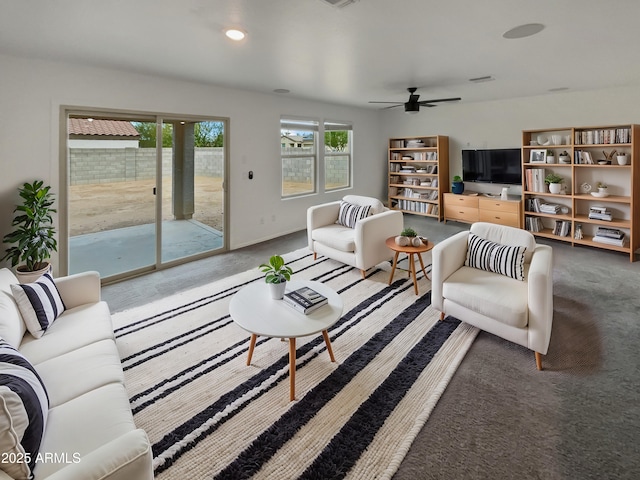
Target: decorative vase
x,y
555,187
622,159
457,187
402,241
564,159
602,190
277,290
24,276
416,242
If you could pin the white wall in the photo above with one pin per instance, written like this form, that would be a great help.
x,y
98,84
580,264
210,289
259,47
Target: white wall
x,y
33,91
499,124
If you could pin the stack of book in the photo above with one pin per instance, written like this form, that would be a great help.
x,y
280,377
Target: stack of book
x,y
305,299
549,208
610,236
599,213
415,144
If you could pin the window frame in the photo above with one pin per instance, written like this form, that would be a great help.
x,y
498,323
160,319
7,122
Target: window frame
x,y
299,124
329,126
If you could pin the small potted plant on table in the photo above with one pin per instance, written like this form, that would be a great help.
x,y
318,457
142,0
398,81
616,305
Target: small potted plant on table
x,y
276,275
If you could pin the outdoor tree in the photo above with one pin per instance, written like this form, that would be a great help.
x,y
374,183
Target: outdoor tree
x,y
337,140
206,134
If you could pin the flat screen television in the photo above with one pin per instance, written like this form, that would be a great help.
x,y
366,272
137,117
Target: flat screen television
x,y
502,165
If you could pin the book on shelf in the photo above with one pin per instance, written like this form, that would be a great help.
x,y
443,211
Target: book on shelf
x,y
562,228
609,233
619,242
305,299
534,178
533,224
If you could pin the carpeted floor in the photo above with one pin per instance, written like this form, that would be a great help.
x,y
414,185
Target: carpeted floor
x,y
499,417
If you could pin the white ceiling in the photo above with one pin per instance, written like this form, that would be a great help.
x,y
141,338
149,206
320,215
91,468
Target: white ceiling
x,y
370,50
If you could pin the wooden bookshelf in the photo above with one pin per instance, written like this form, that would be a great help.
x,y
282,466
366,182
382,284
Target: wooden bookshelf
x,y
587,147
418,174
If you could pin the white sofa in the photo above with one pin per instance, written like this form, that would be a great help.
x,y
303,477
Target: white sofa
x,y
518,311
363,246
89,432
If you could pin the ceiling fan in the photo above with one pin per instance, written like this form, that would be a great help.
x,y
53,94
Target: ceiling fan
x,y
413,105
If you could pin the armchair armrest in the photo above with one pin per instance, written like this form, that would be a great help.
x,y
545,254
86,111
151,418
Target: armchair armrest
x,y
540,293
370,235
79,289
125,458
321,215
446,257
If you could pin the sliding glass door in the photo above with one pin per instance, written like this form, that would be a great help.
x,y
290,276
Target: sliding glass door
x,y
143,192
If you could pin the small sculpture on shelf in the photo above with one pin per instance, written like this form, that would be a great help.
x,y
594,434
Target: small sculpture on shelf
x,y
609,156
578,233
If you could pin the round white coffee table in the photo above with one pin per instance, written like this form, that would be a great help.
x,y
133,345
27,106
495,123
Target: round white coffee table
x,y
253,309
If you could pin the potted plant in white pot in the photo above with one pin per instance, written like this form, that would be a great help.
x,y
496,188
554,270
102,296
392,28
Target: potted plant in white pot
x,y
554,181
551,158
276,275
34,235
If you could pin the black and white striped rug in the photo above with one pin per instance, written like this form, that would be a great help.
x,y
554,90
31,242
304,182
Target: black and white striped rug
x,y
209,415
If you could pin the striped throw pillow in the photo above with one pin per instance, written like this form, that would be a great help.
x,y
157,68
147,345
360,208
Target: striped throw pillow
x,y
39,303
24,406
495,257
349,213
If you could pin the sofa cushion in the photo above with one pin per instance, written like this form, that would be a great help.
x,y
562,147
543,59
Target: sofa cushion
x,y
336,236
23,412
74,329
85,369
495,257
12,326
375,204
349,213
39,303
495,296
82,425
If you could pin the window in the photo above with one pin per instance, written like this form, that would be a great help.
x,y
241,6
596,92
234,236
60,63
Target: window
x,y
338,139
298,140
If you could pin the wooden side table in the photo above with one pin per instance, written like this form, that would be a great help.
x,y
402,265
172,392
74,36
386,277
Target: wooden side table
x,y
410,251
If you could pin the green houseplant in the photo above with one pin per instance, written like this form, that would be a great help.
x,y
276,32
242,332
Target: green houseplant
x,y
554,181
458,185
276,275
34,235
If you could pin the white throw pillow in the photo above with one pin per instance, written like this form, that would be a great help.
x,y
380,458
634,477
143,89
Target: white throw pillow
x,y
24,406
349,214
495,257
39,303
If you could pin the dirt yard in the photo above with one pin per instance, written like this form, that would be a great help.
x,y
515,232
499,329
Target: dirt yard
x,y
108,206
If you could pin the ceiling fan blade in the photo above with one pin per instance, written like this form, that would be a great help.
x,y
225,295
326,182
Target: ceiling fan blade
x,y
398,103
425,102
392,106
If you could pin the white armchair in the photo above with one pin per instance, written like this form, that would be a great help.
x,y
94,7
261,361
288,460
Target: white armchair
x,y
363,246
518,311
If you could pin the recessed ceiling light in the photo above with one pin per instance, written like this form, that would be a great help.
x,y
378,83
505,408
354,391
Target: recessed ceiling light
x,y
522,31
281,90
235,34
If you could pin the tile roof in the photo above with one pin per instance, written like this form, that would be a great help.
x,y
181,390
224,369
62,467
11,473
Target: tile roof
x,y
110,128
